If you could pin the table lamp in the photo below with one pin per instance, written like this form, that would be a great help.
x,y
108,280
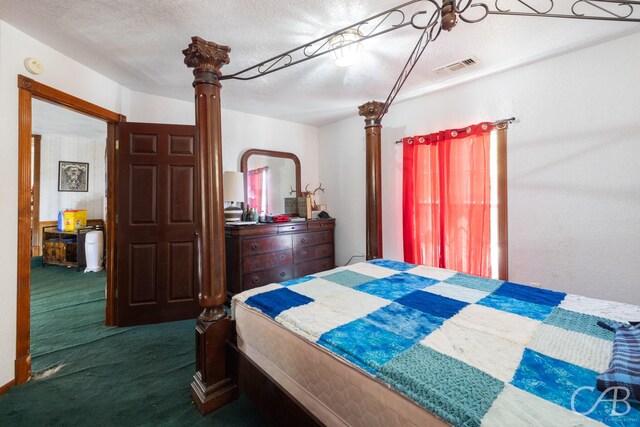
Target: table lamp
x,y
233,191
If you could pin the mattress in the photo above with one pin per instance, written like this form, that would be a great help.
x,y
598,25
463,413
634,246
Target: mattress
x,y
390,343
335,392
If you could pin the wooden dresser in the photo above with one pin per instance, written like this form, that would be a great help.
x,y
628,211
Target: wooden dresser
x,y
266,253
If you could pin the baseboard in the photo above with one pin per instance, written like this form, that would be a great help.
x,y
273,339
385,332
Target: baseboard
x,y
7,386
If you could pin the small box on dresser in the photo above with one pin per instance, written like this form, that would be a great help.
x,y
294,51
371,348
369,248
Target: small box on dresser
x,y
266,253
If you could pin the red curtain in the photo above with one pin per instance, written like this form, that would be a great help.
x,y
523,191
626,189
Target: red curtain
x,y
447,199
255,185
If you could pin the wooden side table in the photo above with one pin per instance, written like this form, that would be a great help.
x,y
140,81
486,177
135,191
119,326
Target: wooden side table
x,y
64,248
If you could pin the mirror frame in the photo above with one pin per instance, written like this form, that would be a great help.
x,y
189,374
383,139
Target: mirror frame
x,y
244,163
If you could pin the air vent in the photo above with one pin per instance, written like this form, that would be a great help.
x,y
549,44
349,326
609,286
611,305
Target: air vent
x,y
457,66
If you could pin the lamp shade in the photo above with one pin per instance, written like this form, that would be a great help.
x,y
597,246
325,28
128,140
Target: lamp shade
x,y
233,186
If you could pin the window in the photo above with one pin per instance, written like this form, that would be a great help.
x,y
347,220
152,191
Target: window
x,y
454,200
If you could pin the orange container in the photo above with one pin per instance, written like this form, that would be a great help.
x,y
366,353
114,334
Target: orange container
x,y
75,219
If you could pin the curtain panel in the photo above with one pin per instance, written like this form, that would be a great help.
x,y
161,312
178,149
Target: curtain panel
x,y
447,199
256,182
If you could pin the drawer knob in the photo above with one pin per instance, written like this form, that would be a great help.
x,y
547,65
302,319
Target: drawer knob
x,y
303,253
324,252
325,264
303,240
282,257
254,246
283,273
255,280
324,237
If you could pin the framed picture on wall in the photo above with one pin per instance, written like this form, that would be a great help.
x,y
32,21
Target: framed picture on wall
x,y
73,176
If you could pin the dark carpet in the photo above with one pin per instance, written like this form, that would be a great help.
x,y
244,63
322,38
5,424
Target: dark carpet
x,y
89,374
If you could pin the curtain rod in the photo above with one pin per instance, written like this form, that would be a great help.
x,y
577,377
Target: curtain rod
x,y
497,122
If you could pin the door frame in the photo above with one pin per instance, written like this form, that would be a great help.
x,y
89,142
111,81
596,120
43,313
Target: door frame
x,y
29,89
35,213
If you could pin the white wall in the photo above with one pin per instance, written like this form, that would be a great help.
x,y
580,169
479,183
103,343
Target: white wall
x,y
240,132
342,172
573,180
147,108
55,148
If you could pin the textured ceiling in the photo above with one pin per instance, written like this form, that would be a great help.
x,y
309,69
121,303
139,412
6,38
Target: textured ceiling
x,y
139,44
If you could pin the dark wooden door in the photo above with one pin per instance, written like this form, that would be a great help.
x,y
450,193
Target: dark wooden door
x,y
156,223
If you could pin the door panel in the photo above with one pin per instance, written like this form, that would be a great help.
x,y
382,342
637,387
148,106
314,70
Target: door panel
x,y
180,145
156,227
182,194
142,273
181,272
143,193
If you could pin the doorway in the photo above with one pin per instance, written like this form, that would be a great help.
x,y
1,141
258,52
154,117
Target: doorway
x,y
28,90
68,173
67,282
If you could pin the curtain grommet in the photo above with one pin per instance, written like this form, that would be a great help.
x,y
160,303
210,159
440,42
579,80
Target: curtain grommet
x,y
421,140
454,134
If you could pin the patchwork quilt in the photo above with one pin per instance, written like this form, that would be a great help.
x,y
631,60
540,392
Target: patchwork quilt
x,y
471,350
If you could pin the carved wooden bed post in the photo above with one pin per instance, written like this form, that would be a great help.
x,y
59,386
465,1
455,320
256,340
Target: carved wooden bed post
x,y
212,385
371,111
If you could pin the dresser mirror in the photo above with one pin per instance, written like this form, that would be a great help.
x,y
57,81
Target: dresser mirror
x,y
270,177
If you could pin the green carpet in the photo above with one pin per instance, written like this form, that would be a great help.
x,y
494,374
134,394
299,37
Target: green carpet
x,y
107,376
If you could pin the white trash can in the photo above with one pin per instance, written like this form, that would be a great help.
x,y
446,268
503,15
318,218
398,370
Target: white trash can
x,y
93,250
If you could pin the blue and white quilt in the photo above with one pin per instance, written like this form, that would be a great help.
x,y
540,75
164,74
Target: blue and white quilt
x,y
471,350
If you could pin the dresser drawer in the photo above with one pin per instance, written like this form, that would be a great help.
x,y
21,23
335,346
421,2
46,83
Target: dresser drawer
x,y
260,245
268,260
308,253
310,267
261,278
320,224
292,227
310,239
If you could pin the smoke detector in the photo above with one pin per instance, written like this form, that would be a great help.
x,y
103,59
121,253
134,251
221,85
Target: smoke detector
x,y
34,65
461,64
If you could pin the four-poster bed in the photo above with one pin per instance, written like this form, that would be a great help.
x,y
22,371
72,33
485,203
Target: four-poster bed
x,y
213,385
220,367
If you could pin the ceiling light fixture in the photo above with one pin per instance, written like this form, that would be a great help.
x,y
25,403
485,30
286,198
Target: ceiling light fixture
x,y
346,47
